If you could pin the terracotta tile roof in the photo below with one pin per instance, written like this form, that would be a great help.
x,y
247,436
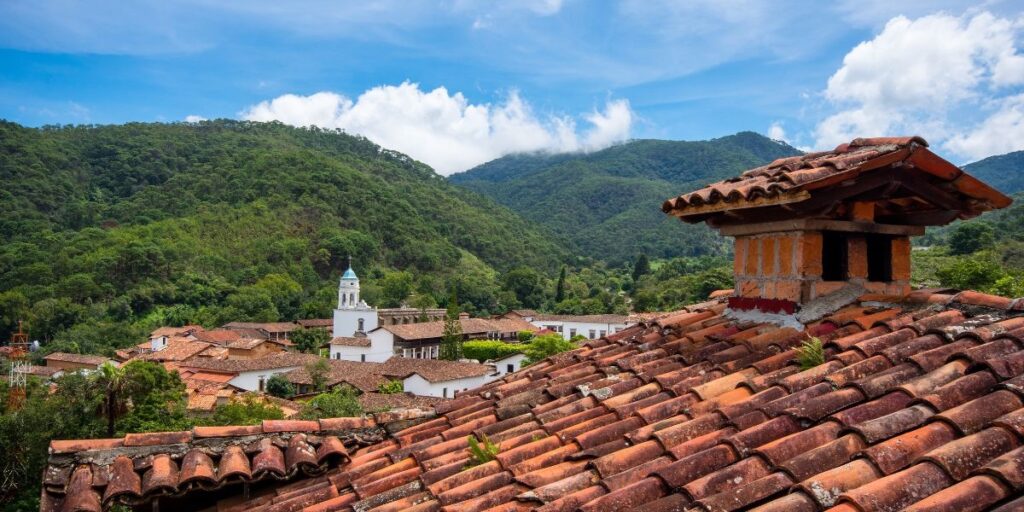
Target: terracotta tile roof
x,y
430,330
918,405
250,343
351,341
177,349
76,358
362,376
217,336
279,360
271,327
90,475
594,319
40,371
175,331
433,370
316,322
792,179
372,401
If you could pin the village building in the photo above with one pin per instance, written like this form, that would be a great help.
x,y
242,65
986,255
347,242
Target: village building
x,y
277,331
823,381
249,374
408,315
66,362
435,377
569,326
423,340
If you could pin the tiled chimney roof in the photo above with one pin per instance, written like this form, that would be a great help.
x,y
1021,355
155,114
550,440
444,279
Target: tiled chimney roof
x,y
796,179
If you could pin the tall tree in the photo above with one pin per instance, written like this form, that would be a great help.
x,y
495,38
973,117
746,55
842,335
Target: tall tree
x,y
641,267
451,340
560,287
113,383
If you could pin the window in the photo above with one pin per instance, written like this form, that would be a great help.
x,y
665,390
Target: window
x,y
362,357
592,334
879,258
509,368
263,382
444,392
360,328
834,256
572,332
337,355
604,333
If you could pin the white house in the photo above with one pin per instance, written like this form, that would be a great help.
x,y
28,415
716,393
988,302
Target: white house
x,y
588,326
508,364
373,347
252,374
438,378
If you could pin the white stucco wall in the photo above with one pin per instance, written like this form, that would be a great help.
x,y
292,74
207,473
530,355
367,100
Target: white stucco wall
x,y
346,321
382,347
250,381
582,328
516,360
419,386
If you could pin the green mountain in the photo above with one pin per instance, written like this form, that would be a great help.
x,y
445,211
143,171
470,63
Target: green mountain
x,y
109,230
607,204
1004,172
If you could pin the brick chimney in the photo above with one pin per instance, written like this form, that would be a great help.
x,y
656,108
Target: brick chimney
x,y
810,225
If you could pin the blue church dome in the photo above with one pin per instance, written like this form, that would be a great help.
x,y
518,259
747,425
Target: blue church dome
x,y
349,274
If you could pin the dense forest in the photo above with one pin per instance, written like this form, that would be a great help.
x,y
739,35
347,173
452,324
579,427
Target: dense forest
x,y
607,203
111,230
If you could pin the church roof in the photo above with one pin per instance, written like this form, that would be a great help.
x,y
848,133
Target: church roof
x,y
349,274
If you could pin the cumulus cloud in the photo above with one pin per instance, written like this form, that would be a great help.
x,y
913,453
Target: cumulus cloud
x,y
777,132
192,118
915,76
445,130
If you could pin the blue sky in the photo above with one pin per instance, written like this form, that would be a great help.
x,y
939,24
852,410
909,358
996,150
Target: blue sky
x,y
455,83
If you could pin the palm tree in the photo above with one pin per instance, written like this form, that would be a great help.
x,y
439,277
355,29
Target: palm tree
x,y
113,382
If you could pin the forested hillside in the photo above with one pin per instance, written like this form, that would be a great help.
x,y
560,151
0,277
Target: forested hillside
x,y
607,203
108,231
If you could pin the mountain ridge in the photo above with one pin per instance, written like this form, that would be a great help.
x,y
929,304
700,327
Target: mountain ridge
x,y
601,199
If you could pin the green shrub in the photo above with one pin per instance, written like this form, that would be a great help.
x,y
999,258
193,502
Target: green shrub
x,y
391,387
480,452
811,354
483,350
547,345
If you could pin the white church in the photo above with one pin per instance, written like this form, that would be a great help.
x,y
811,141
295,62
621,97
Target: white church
x,y
353,318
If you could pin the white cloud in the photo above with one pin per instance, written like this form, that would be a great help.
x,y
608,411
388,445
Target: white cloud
x,y
192,118
1001,132
445,130
916,76
777,132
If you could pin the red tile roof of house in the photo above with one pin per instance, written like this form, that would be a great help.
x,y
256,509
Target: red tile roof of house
x,y
316,322
76,358
792,179
918,404
271,327
351,341
431,330
433,370
595,319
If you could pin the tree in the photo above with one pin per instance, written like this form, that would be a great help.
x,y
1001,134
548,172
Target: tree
x,y
112,382
525,283
422,302
641,268
391,387
277,385
560,286
318,373
309,340
396,287
978,272
971,237
249,409
451,339
341,402
546,345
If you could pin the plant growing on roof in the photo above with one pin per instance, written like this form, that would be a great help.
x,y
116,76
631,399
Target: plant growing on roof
x,y
279,386
318,374
480,452
451,339
391,387
810,354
